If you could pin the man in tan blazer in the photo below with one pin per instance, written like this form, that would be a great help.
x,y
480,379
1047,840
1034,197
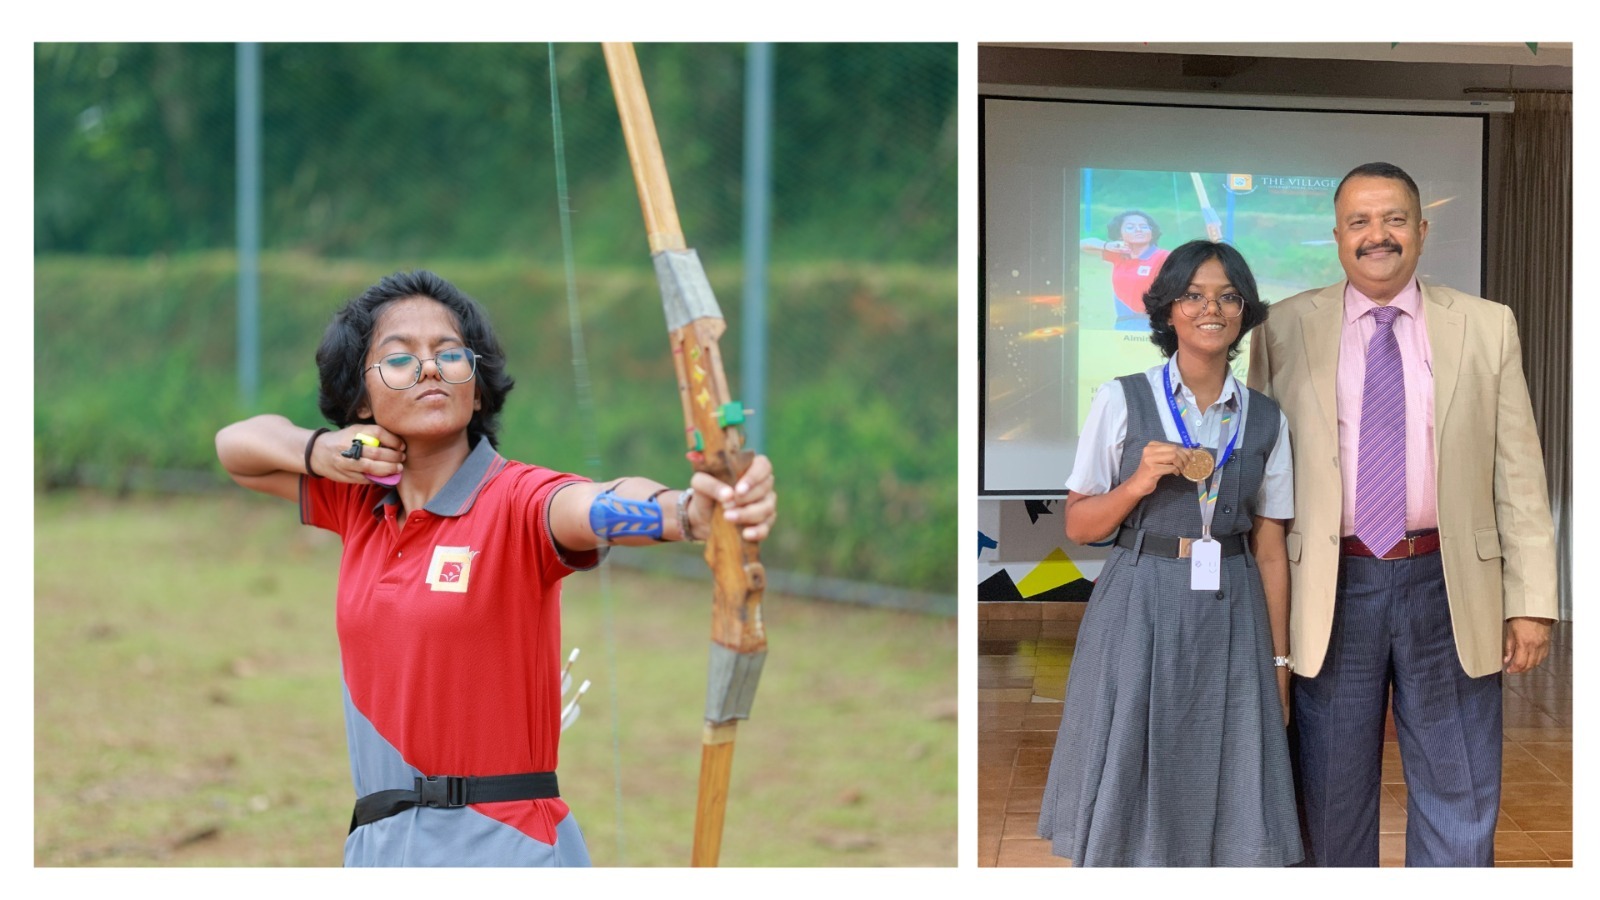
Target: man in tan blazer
x,y
1468,588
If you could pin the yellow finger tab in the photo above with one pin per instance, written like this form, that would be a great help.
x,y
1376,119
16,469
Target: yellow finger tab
x,y
367,439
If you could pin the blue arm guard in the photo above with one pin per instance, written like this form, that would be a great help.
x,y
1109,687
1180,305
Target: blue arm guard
x,y
612,517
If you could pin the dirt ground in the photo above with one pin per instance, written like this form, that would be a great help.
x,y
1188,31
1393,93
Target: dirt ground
x,y
187,705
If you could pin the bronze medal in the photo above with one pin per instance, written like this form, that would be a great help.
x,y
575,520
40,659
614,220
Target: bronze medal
x,y
1200,465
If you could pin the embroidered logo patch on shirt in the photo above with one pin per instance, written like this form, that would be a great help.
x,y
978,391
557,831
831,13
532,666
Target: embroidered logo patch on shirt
x,y
450,569
1144,270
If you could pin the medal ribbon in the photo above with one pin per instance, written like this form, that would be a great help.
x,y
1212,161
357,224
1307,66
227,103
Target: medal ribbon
x,y
1207,495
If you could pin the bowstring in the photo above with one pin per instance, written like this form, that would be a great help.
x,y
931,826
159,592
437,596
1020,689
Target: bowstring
x,y
580,370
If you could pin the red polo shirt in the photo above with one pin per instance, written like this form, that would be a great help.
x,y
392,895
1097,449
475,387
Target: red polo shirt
x,y
450,635
1132,276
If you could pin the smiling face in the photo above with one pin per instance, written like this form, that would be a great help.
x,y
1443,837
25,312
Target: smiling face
x,y
1380,230
431,408
1211,332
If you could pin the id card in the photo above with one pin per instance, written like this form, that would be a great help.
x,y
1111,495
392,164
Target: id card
x,y
1205,565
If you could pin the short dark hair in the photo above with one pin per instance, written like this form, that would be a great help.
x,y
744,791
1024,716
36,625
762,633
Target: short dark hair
x,y
1380,170
1114,227
1173,281
344,348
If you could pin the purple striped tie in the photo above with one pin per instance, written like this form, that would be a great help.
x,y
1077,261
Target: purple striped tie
x,y
1380,517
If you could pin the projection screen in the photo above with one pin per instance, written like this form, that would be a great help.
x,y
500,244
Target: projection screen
x,y
1061,177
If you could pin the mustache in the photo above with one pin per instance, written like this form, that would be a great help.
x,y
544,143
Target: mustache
x,y
1390,246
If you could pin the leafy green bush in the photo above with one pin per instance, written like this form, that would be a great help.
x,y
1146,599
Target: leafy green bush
x,y
136,370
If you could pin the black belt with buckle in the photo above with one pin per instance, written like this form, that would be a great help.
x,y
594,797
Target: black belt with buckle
x,y
450,791
1176,547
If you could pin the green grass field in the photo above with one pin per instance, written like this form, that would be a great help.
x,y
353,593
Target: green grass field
x,y
187,705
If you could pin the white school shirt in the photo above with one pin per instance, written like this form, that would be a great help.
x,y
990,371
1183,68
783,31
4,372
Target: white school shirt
x,y
1099,457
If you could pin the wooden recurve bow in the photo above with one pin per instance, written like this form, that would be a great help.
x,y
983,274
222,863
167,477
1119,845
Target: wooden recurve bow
x,y
714,441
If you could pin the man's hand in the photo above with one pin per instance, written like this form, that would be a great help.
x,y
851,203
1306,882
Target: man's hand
x,y
1527,643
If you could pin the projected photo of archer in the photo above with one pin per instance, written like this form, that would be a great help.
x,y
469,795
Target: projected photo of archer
x,y
1279,221
1131,248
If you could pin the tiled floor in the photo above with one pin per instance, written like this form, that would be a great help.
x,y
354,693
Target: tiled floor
x,y
1024,650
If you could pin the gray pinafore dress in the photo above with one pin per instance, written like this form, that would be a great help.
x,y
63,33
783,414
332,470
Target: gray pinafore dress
x,y
1172,749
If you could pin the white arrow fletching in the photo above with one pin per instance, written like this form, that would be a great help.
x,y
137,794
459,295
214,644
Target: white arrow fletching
x,y
570,713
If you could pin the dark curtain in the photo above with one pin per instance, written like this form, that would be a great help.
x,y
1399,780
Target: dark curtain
x,y
1534,278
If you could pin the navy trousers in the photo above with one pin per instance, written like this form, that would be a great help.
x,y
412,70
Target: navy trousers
x,y
1391,631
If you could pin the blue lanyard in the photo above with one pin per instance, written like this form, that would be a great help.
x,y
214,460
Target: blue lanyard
x,y
1207,495
1177,416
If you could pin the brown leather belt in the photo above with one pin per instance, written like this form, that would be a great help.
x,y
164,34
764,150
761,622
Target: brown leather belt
x,y
1411,545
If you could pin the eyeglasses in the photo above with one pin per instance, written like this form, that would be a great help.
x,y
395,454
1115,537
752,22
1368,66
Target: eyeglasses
x,y
1194,305
400,371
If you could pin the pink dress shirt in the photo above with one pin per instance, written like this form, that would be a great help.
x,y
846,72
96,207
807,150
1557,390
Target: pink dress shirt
x,y
1416,360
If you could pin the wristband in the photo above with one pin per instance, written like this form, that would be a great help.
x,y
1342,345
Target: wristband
x,y
656,499
311,445
1282,662
611,517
